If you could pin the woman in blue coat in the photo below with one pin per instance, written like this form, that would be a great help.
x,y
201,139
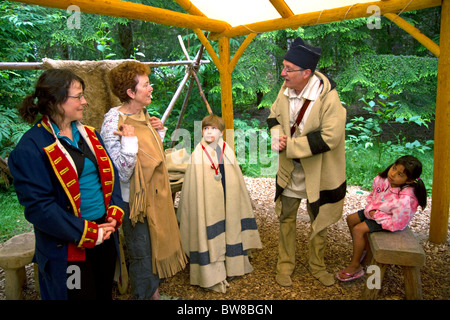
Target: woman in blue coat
x,y
67,183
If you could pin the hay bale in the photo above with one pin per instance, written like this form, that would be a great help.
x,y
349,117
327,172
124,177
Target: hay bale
x,y
97,93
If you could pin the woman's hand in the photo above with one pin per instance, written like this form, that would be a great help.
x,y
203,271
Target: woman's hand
x,y
108,227
125,130
156,123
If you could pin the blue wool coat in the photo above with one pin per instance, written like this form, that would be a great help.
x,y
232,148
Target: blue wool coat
x,y
49,195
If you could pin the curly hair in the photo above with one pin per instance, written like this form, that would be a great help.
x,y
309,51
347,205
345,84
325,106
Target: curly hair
x,y
124,77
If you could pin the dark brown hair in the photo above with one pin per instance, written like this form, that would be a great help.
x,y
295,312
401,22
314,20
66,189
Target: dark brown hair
x,y
51,90
413,170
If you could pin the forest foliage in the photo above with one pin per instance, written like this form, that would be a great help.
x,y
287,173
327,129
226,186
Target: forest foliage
x,y
373,68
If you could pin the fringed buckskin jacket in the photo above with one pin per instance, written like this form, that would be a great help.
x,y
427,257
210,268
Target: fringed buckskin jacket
x,y
46,182
321,150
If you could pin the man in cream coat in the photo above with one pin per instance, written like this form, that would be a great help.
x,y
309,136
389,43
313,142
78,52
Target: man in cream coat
x,y
311,150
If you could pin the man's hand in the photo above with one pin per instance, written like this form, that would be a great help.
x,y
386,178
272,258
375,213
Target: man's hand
x,y
279,143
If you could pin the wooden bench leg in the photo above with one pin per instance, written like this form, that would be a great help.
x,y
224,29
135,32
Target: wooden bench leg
x,y
370,292
36,278
413,283
15,279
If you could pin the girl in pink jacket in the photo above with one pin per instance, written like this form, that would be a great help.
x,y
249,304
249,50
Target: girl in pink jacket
x,y
396,194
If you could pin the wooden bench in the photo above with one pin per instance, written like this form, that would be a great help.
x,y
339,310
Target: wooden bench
x,y
15,254
396,248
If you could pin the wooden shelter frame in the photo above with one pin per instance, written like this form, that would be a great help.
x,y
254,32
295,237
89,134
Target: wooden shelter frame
x,y
222,32
192,67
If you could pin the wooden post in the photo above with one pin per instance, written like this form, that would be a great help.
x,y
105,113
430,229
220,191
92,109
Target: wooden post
x,y
225,67
226,89
441,170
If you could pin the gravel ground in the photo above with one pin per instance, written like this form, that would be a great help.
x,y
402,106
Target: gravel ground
x,y
261,285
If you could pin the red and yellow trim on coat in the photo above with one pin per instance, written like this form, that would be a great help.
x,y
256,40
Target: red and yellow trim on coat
x,y
68,178
115,212
106,176
66,175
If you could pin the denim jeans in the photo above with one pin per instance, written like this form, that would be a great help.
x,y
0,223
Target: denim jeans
x,y
139,248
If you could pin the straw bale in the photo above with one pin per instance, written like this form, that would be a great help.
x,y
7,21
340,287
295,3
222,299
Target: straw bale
x,y
97,93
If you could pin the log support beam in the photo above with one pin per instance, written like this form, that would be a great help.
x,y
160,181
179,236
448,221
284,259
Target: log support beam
x,y
441,170
415,33
225,65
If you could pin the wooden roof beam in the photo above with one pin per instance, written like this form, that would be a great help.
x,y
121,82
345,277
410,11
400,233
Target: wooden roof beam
x,y
326,16
415,33
240,51
40,65
190,8
136,11
282,8
204,41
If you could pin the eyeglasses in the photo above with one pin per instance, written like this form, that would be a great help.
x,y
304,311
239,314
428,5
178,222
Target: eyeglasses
x,y
289,70
77,97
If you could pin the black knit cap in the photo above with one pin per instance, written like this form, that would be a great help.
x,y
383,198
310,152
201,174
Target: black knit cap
x,y
303,55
